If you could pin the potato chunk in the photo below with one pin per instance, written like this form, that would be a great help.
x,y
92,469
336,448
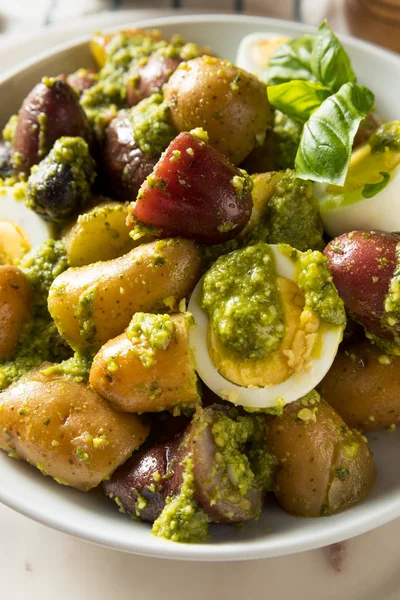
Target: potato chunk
x,y
66,430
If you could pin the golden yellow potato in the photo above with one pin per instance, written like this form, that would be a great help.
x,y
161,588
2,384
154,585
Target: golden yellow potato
x,y
14,243
363,386
93,304
66,430
100,234
119,375
227,102
15,300
324,467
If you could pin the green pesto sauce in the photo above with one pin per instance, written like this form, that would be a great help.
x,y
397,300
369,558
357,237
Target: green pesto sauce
x,y
241,297
392,300
85,313
152,126
9,129
39,340
72,152
149,333
386,136
77,368
315,281
285,140
293,215
181,519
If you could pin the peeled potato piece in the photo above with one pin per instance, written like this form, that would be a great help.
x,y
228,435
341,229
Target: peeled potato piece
x,y
66,430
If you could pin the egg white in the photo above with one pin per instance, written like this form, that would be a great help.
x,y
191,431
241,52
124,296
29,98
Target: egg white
x,y
341,213
292,389
15,211
253,54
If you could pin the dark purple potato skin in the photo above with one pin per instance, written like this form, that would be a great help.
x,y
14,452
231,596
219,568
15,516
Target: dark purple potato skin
x,y
367,127
126,165
6,168
152,76
136,475
362,264
63,116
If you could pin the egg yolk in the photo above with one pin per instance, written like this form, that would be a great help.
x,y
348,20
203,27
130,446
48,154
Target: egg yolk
x,y
14,243
293,354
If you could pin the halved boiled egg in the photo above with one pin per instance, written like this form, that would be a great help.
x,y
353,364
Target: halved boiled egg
x,y
256,49
369,198
301,360
20,228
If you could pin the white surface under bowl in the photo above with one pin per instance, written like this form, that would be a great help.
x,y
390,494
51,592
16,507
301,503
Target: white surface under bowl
x,y
91,516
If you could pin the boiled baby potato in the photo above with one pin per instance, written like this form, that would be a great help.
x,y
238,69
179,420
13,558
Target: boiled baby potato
x,y
100,234
15,299
93,304
227,102
169,381
324,467
66,430
363,386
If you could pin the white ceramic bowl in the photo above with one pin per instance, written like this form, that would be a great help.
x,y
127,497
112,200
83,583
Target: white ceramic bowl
x,y
90,516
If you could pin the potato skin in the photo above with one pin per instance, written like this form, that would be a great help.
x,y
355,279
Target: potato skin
x,y
66,430
324,467
100,234
51,110
230,104
169,382
93,304
362,264
15,297
126,165
150,78
364,387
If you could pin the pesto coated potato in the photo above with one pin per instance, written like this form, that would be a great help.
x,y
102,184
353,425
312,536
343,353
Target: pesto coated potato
x,y
66,430
99,234
363,386
15,296
229,103
324,467
119,374
93,304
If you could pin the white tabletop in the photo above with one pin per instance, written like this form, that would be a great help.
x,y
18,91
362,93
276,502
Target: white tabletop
x,y
37,563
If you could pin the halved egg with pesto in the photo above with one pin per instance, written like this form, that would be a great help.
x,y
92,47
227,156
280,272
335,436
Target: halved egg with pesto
x,y
20,228
369,198
268,323
256,49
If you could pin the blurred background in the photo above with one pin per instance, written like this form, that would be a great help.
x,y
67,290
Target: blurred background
x,y
374,20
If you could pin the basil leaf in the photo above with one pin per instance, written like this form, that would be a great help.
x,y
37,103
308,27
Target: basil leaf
x,y
327,138
297,99
330,63
291,60
371,189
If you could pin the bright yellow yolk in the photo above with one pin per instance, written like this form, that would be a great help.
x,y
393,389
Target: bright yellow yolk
x,y
292,355
14,244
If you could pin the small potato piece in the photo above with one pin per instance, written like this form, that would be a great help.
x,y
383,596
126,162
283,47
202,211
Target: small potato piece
x,y
66,430
118,374
363,386
149,78
324,467
229,103
50,111
100,234
14,243
15,297
93,304
126,165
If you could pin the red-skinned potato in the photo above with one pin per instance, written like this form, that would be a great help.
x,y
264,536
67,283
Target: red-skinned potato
x,y
82,79
363,264
194,192
150,77
363,386
126,165
51,110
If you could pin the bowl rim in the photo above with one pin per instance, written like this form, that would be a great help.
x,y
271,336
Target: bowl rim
x,y
363,521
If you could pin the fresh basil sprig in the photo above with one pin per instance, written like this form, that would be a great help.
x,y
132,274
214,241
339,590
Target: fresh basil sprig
x,y
371,189
330,63
291,60
326,142
297,99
